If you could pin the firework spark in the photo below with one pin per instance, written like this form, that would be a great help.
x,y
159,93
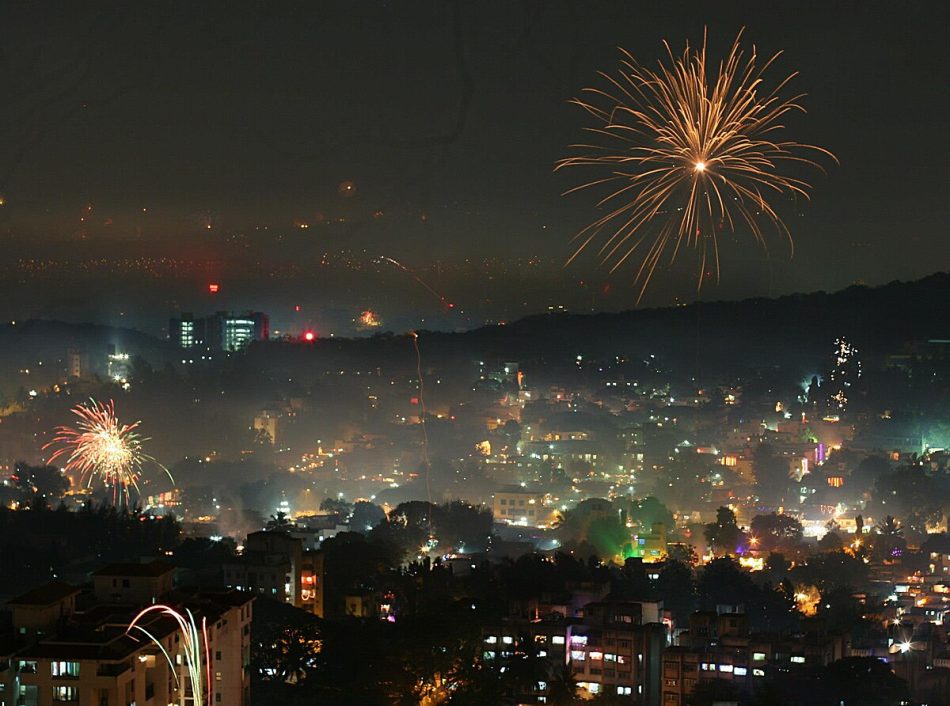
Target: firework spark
x,y
195,649
100,446
687,154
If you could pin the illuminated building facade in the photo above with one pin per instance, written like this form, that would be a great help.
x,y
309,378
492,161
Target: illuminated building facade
x,y
222,331
518,506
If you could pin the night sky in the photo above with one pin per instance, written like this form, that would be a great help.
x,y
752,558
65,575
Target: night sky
x,y
426,131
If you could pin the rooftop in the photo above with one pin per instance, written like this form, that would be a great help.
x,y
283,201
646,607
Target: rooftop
x,y
152,569
45,595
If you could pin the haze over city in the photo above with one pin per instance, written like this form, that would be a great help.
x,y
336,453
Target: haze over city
x,y
457,354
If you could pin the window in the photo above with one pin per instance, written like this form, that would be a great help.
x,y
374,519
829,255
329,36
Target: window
x,y
727,668
671,682
557,640
758,672
740,671
26,666
798,659
507,639
217,656
65,693
597,655
65,669
578,655
610,657
491,640
758,656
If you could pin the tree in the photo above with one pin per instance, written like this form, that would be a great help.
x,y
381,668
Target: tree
x,y
723,582
864,681
677,587
46,481
366,515
724,534
831,542
650,511
889,542
279,521
713,691
774,531
336,506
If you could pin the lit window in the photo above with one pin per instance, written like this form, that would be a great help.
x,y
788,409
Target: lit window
x,y
558,640
65,693
727,668
578,655
507,639
740,671
65,669
597,655
758,656
491,639
758,672
798,659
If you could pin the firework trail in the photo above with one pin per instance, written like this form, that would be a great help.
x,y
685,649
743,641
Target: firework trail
x,y
445,302
686,152
425,431
195,649
99,446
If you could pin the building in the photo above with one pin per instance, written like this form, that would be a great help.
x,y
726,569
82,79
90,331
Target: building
x,y
518,506
718,645
275,564
68,646
222,331
615,648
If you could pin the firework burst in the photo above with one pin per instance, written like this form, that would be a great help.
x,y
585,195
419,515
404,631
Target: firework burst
x,y
101,447
686,153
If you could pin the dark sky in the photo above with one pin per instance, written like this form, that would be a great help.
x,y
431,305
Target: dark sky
x,y
446,118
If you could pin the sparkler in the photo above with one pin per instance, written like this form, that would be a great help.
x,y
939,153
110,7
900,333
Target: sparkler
x,y
195,650
99,446
687,154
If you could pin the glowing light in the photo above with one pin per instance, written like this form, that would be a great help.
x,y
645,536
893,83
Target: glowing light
x,y
309,336
686,151
904,647
99,446
213,288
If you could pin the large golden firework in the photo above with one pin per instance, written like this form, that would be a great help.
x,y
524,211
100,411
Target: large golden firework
x,y
100,446
687,154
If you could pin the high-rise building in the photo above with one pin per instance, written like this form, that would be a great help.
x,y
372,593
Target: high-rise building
x,y
222,331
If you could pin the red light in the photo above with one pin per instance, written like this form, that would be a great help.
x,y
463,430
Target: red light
x,y
309,336
413,400
213,288
297,308
451,305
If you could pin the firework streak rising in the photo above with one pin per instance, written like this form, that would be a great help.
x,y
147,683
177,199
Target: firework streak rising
x,y
195,650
